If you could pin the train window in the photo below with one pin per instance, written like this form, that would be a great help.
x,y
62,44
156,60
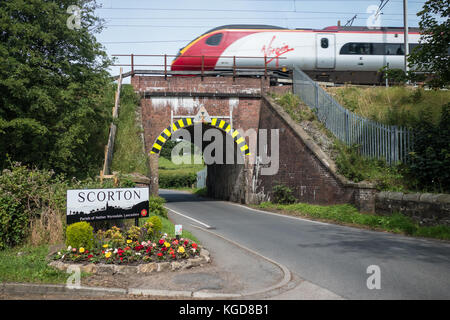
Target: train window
x,y
396,49
360,48
366,48
215,39
324,43
378,48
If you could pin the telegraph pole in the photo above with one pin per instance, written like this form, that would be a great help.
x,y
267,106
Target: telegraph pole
x,y
405,22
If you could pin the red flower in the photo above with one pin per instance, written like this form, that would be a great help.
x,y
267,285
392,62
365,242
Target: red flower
x,y
194,245
164,249
121,259
186,243
90,256
160,254
161,241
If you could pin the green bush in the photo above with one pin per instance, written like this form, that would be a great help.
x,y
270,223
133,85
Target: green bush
x,y
80,234
156,224
178,180
32,206
430,159
156,206
13,222
395,76
282,195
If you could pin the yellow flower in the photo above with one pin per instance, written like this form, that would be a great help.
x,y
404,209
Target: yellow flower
x,y
167,244
108,254
81,250
105,245
129,241
181,249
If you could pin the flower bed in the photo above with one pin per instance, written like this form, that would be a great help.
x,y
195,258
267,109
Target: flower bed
x,y
132,252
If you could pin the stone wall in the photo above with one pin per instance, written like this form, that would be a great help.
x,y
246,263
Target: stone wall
x,y
425,208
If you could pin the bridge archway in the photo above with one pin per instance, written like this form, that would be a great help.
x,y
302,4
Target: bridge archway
x,y
225,180
165,135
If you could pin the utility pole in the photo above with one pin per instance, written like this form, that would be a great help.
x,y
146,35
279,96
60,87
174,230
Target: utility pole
x,y
405,22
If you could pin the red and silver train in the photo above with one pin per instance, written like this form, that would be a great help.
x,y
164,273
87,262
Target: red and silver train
x,y
338,54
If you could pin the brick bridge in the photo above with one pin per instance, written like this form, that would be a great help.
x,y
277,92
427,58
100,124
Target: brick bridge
x,y
240,107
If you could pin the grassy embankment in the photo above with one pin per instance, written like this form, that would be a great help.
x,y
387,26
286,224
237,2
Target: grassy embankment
x,y
393,105
397,105
129,155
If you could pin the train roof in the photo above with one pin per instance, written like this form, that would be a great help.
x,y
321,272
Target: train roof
x,y
360,28
326,29
330,28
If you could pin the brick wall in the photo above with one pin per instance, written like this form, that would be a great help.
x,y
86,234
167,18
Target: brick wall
x,y
299,167
302,165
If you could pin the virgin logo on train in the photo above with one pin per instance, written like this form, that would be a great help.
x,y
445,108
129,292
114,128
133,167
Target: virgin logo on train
x,y
275,53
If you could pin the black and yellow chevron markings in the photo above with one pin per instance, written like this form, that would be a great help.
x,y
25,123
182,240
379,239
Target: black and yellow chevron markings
x,y
185,122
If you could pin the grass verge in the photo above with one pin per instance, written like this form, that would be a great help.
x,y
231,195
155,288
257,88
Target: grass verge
x,y
348,215
28,264
169,228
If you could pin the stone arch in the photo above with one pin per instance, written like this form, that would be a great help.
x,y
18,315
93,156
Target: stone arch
x,y
187,122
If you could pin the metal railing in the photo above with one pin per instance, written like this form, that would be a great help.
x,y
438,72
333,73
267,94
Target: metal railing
x,y
376,140
198,64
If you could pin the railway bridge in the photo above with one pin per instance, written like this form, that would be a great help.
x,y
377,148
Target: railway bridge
x,y
263,145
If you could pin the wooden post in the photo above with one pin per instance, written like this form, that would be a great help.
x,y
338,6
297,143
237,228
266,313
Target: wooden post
x,y
132,65
234,67
265,67
203,65
154,181
165,67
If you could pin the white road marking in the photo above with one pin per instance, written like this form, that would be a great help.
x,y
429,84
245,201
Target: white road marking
x,y
187,217
277,214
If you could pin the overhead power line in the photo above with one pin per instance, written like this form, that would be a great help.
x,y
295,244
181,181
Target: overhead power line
x,y
243,10
150,41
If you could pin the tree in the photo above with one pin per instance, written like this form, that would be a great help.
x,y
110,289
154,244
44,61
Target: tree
x,y
52,80
432,54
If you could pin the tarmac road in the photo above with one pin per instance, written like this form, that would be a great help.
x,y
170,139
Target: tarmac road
x,y
335,258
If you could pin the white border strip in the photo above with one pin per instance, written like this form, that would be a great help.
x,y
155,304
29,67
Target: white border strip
x,y
190,218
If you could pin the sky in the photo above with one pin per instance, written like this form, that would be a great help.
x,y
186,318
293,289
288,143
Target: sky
x,y
163,27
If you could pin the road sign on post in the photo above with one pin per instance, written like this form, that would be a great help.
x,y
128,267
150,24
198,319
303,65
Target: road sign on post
x,y
106,204
178,230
